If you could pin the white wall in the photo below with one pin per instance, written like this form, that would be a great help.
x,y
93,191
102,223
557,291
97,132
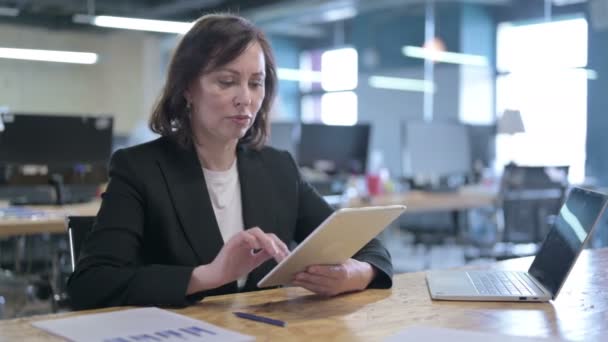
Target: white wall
x,y
124,82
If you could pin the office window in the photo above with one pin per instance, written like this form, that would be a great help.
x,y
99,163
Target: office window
x,y
541,74
330,101
556,44
339,69
310,64
339,108
310,107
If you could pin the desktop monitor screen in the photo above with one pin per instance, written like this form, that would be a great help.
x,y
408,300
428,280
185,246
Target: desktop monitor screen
x,y
341,149
435,149
55,140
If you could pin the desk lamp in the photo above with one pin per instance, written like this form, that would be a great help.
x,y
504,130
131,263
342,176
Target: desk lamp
x,y
510,122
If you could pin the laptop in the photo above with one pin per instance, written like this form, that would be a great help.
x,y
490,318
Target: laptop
x,y
579,215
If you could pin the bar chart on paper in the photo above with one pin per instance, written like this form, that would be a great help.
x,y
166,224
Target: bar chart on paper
x,y
143,324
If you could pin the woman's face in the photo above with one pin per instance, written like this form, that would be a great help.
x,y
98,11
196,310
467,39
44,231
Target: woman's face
x,y
226,100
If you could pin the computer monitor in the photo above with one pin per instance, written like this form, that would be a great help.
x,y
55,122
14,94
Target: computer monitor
x,y
435,149
334,149
55,139
59,150
283,136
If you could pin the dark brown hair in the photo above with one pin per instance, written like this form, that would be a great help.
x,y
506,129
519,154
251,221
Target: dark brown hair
x,y
213,41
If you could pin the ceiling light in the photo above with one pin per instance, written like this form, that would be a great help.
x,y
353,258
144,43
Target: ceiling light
x,y
164,26
400,83
444,56
567,2
9,11
288,74
338,14
434,44
49,55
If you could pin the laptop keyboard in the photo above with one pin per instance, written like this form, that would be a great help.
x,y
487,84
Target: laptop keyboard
x,y
503,283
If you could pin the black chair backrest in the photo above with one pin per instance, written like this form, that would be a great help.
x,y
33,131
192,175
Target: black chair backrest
x,y
78,228
531,196
517,177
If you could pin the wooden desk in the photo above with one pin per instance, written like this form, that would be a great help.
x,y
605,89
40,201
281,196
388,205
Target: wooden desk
x,y
416,201
579,313
424,201
53,223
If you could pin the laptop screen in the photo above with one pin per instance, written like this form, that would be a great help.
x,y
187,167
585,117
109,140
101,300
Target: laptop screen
x,y
567,237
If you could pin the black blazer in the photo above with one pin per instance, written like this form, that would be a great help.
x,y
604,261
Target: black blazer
x,y
156,224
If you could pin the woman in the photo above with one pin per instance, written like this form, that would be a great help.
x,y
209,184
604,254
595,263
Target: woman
x,y
206,209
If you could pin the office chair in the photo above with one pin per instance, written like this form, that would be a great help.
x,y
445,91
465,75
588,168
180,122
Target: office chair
x,y
431,229
531,197
78,227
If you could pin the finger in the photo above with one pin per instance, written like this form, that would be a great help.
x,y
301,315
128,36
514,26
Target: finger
x,y
336,272
265,241
272,243
283,249
249,240
261,242
315,279
280,256
279,242
260,257
316,288
270,246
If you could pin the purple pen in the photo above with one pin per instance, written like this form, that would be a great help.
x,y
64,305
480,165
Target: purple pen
x,y
260,319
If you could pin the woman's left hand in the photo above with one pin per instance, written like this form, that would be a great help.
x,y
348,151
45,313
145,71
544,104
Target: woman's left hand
x,y
330,280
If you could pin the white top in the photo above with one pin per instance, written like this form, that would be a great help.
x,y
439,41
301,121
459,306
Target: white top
x,y
225,192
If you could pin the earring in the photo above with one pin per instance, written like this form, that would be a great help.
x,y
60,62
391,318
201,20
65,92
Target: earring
x,y
189,108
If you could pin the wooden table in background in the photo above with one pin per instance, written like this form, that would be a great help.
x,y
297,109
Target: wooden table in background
x,y
428,201
52,222
416,201
421,202
580,312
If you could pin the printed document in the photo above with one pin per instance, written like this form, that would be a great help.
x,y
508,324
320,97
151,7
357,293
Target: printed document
x,y
142,324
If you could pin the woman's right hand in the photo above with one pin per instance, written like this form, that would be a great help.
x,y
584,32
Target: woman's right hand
x,y
237,258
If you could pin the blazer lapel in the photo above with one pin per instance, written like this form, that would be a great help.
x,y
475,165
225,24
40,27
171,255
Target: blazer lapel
x,y
257,199
256,191
186,183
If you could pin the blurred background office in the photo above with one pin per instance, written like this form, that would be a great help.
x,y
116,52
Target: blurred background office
x,y
477,114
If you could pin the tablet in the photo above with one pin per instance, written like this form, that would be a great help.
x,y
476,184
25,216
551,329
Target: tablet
x,y
336,239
